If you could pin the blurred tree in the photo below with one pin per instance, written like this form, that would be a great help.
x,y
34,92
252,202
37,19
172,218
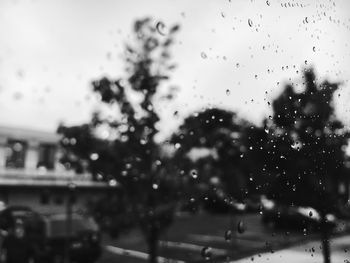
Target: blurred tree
x,y
129,157
84,151
305,149
214,148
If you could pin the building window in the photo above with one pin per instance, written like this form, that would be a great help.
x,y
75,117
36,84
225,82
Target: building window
x,y
58,200
46,156
73,198
45,197
15,154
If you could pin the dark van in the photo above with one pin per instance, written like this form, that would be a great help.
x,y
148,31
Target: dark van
x,y
51,238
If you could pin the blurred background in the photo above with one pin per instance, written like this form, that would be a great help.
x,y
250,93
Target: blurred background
x,y
181,131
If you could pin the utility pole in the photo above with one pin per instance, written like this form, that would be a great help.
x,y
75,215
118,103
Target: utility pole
x,y
70,200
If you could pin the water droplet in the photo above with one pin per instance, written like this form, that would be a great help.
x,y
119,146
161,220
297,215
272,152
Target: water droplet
x,y
203,55
240,227
155,186
250,22
73,141
20,73
113,182
94,156
228,92
296,146
206,253
160,28
177,145
194,174
228,235
17,96
304,231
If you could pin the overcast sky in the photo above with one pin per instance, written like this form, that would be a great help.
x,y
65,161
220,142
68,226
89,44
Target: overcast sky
x,y
50,50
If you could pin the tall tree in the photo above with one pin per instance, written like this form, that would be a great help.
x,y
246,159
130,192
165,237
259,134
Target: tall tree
x,y
221,139
133,160
305,149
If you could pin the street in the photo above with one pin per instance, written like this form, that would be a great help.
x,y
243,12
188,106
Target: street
x,y
205,238
309,252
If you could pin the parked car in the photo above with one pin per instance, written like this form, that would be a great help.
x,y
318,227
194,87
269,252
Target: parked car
x,y
33,225
294,217
33,221
48,236
83,238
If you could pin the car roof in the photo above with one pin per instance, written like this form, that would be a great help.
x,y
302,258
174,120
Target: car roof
x,y
64,216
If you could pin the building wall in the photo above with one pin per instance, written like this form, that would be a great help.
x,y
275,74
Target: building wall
x,y
34,141
51,201
44,189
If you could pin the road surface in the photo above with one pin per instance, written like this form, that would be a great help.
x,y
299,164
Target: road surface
x,y
205,238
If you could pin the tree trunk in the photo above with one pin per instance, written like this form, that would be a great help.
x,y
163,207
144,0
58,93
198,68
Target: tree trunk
x,y
153,239
325,235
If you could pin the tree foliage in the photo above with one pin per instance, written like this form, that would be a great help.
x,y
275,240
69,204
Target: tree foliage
x,y
223,172
130,157
306,145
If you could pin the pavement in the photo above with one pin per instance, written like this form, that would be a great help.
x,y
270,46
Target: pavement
x,y
309,252
205,238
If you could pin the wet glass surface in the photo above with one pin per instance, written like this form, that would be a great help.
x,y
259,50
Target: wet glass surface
x,y
187,131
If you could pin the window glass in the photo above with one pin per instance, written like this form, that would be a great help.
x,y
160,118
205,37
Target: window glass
x,y
200,131
16,154
46,156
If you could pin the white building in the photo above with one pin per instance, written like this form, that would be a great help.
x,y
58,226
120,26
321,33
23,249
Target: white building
x,y
31,175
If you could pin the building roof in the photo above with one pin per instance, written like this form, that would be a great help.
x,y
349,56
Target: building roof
x,y
23,178
47,183
28,134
